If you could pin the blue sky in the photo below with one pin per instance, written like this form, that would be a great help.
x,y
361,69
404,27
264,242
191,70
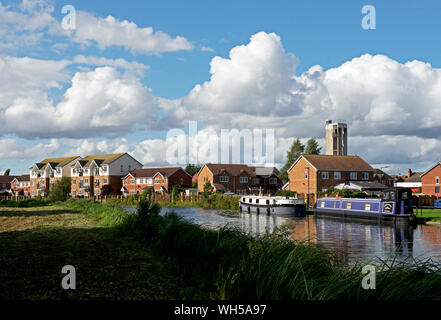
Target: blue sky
x,y
324,33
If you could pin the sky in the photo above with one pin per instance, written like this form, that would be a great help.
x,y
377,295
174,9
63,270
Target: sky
x,y
122,76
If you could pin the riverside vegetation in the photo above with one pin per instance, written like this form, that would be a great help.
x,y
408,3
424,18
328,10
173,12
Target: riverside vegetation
x,y
137,256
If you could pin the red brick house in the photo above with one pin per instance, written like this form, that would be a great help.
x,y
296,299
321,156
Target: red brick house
x,y
267,180
310,174
430,181
21,186
5,183
236,178
157,179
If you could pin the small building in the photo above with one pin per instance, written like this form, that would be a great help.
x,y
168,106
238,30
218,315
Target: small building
x,y
430,181
412,181
235,178
5,183
21,185
382,177
310,174
266,181
157,179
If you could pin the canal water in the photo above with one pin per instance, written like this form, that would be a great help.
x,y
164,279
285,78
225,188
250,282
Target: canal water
x,y
353,241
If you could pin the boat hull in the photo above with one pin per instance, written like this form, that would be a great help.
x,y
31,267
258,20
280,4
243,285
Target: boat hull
x,y
297,210
366,216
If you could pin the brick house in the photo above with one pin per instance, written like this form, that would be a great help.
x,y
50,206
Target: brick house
x,y
5,183
382,177
430,181
101,174
157,179
236,178
310,174
412,181
44,174
267,180
21,185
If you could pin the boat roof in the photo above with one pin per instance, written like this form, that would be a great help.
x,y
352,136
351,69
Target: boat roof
x,y
352,199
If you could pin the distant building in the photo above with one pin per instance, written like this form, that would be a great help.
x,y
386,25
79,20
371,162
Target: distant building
x,y
236,178
21,186
381,177
267,180
5,183
310,174
430,181
156,179
412,181
336,138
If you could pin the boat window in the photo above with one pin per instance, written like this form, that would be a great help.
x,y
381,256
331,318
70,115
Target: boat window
x,y
257,200
250,200
334,204
367,206
322,204
348,205
267,201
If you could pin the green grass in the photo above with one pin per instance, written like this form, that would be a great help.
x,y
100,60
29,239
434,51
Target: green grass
x,y
429,214
122,256
35,243
24,203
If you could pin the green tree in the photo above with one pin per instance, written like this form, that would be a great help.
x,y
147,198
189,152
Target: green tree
x,y
312,147
191,169
7,171
294,152
60,190
208,189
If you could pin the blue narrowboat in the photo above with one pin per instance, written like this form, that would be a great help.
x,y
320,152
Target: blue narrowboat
x,y
392,205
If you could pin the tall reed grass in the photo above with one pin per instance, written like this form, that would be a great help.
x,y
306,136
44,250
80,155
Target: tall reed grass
x,y
234,265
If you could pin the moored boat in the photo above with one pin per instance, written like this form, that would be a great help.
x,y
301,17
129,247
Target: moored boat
x,y
393,205
277,205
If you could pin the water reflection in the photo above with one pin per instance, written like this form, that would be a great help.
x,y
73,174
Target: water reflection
x,y
353,241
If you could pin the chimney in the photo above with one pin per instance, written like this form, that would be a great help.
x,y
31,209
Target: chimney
x,y
328,121
409,173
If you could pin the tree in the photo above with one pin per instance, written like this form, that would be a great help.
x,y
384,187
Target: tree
x,y
312,147
191,169
294,152
7,171
60,190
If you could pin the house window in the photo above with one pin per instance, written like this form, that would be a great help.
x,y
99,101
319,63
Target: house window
x,y
437,180
257,180
105,180
437,189
306,175
273,180
367,206
157,181
353,176
74,182
97,181
86,181
182,181
337,175
149,181
132,181
325,175
243,179
74,193
223,179
365,176
138,181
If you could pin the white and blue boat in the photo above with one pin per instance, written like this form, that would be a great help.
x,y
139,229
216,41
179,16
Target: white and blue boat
x,y
392,205
277,205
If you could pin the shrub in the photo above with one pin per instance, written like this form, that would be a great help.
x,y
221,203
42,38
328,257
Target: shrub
x,y
60,190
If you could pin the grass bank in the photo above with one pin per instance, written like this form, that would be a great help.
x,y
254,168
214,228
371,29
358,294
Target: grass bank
x,y
233,265
35,243
429,214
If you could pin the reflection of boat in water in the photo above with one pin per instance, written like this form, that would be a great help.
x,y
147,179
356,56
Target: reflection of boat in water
x,y
394,206
272,205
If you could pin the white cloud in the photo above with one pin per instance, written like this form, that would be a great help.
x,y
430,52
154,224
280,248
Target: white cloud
x,y
109,31
12,148
101,102
137,67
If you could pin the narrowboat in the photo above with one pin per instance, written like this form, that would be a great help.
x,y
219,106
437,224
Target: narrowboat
x,y
277,205
392,205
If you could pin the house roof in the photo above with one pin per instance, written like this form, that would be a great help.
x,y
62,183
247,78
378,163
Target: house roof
x,y
415,177
150,172
233,169
7,179
24,177
436,165
331,162
104,158
55,162
381,174
265,171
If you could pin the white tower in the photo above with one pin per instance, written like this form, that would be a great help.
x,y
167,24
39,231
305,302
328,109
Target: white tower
x,y
336,138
